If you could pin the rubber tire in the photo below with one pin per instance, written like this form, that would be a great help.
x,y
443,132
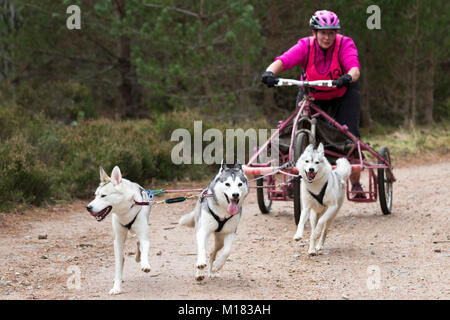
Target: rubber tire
x,y
261,194
385,190
301,141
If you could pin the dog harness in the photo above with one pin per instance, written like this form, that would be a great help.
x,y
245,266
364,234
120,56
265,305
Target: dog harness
x,y
150,195
320,196
220,221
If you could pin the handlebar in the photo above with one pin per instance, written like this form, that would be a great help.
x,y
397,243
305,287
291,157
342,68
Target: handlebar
x,y
317,83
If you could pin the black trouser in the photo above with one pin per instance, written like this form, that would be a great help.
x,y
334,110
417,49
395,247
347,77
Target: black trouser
x,y
345,110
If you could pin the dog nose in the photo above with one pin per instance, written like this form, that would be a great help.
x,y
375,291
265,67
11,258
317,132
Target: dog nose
x,y
311,170
89,208
235,195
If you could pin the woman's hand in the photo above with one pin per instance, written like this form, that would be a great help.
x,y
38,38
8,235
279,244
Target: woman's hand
x,y
344,80
269,79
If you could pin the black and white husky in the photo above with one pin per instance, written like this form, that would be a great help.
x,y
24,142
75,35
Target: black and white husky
x,y
130,205
218,211
322,193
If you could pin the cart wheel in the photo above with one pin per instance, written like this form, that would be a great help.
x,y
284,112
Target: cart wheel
x,y
300,144
385,183
264,203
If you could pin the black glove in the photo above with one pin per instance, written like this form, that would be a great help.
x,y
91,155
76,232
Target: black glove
x,y
269,79
344,80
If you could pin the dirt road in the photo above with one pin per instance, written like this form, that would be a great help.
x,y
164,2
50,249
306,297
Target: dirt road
x,y
405,255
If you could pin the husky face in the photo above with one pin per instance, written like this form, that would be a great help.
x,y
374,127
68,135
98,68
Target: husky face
x,y
310,162
231,187
109,194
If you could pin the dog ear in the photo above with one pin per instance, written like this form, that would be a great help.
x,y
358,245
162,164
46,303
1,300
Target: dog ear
x,y
223,166
116,176
309,148
103,175
320,148
238,165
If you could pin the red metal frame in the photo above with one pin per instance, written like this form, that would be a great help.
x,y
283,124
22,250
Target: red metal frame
x,y
358,164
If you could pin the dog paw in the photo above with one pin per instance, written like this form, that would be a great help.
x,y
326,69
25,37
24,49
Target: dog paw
x,y
216,266
319,247
201,266
213,275
145,268
213,270
115,291
199,277
312,252
298,237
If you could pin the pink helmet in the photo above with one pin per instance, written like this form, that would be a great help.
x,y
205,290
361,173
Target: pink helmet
x,y
324,19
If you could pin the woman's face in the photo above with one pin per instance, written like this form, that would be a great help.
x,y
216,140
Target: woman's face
x,y
325,38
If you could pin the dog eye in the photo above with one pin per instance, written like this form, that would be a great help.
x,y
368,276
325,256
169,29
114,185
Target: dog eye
x,y
227,184
239,184
103,195
317,162
307,161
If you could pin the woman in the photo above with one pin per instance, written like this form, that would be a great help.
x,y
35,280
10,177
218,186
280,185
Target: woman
x,y
327,55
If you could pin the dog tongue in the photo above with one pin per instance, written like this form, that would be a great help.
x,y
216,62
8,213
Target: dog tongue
x,y
311,175
233,208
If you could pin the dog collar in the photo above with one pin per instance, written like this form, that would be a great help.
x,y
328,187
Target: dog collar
x,y
319,197
143,203
204,194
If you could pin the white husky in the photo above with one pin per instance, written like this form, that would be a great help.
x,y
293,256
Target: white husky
x,y
322,193
218,211
130,205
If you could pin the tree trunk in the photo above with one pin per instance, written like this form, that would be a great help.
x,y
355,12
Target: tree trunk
x,y
204,68
407,99
244,95
414,68
366,119
273,23
429,93
8,15
129,89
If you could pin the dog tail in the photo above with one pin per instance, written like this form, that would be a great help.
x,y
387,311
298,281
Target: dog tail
x,y
343,169
188,220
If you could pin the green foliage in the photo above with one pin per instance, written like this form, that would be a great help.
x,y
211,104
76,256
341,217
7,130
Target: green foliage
x,y
412,142
210,55
41,160
23,179
184,58
75,101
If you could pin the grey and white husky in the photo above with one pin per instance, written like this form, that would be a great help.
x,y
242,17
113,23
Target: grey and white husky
x,y
218,210
130,205
322,193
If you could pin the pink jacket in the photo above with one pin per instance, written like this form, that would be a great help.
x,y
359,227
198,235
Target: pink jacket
x,y
333,72
298,55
